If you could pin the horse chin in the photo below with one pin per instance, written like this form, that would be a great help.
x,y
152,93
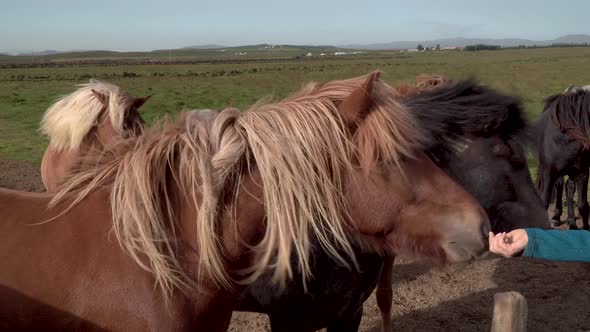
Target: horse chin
x,y
456,253
461,247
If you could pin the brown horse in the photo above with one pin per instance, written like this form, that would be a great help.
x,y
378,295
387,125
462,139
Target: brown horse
x,y
92,117
208,203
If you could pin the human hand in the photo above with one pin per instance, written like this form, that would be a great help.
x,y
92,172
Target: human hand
x,y
509,244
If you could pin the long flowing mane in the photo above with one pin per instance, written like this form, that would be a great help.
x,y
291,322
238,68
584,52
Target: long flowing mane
x,y
301,148
570,112
70,118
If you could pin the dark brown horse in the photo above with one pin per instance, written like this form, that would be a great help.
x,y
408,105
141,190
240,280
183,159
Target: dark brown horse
x,y
563,144
90,118
477,138
207,204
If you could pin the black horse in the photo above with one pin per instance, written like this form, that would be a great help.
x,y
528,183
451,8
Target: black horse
x,y
563,144
477,135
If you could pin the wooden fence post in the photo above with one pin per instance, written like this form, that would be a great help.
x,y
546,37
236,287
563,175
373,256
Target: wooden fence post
x,y
510,312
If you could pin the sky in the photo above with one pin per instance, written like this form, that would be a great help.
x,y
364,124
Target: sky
x,y
123,25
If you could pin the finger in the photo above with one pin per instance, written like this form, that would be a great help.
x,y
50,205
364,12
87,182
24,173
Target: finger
x,y
503,247
499,244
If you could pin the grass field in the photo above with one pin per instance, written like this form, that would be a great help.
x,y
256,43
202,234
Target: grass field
x,y
25,93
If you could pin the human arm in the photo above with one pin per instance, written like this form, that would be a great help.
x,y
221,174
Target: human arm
x,y
545,244
566,245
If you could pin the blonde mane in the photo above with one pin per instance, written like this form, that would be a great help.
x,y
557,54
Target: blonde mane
x,y
301,148
70,118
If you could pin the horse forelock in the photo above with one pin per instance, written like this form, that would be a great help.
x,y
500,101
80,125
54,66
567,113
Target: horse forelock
x,y
389,133
71,117
465,110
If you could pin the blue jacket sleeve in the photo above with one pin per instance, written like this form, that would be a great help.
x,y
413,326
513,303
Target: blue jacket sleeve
x,y
567,245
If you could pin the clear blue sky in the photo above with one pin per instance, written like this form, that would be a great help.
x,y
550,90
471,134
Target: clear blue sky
x,y
27,25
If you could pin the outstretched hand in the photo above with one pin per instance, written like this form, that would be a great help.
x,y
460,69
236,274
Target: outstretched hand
x,y
509,244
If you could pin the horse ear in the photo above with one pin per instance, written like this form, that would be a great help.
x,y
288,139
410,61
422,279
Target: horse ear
x,y
356,106
138,102
101,97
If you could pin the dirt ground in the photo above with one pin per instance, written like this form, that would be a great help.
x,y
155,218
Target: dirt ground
x,y
457,298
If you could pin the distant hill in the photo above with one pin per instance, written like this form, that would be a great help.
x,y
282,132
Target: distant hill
x,y
46,52
461,42
204,47
214,50
572,39
180,55
261,47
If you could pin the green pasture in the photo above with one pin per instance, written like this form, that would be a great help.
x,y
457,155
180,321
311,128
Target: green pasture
x,y
25,93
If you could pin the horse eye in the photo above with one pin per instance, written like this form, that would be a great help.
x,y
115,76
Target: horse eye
x,y
500,150
518,161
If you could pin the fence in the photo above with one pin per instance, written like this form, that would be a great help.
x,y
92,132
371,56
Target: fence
x,y
510,312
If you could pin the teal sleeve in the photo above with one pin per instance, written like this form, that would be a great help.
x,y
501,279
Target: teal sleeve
x,y
567,245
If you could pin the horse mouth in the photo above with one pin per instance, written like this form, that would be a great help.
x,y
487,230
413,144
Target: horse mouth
x,y
465,251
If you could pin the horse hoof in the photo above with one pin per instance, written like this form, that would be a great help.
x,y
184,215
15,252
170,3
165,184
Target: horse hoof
x,y
573,226
556,223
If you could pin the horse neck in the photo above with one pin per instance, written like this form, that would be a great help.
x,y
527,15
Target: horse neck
x,y
99,138
56,165
241,225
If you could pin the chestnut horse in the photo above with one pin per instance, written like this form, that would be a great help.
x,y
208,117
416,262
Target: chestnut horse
x,y
203,206
479,135
90,118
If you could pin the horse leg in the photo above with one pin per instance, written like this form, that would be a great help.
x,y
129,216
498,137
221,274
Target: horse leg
x,y
548,178
570,190
385,293
583,208
558,200
349,323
